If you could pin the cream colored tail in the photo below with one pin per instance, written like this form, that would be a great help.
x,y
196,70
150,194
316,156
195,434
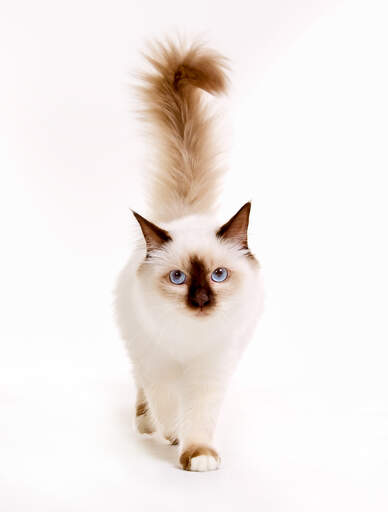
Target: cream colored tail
x,y
186,170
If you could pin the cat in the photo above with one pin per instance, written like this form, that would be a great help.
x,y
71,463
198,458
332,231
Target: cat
x,y
189,298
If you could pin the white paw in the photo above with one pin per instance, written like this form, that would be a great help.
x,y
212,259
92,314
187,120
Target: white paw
x,y
197,457
204,463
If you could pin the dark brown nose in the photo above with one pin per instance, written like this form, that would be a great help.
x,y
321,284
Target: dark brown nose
x,y
200,298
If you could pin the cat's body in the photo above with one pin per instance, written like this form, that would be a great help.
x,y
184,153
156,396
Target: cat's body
x,y
189,298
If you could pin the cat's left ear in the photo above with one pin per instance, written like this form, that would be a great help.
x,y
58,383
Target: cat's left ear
x,y
236,229
154,236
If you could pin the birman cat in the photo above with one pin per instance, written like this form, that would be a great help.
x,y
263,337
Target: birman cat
x,y
188,299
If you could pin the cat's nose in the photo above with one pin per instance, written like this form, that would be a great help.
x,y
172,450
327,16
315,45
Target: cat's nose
x,y
200,298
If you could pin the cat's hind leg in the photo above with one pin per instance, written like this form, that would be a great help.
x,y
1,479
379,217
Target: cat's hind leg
x,y
144,422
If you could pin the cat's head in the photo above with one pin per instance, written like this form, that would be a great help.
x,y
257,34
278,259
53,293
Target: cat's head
x,y
195,268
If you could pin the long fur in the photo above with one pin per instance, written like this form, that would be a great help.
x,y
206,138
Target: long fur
x,y
187,170
185,340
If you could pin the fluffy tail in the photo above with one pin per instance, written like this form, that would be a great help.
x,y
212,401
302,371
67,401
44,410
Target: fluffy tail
x,y
187,174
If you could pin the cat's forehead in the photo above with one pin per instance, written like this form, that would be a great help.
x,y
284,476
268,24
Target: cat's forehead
x,y
207,255
194,236
202,246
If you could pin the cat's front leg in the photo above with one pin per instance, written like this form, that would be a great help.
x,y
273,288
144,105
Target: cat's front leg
x,y
201,399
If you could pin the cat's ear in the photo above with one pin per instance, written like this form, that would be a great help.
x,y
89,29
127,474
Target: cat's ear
x,y
154,236
236,229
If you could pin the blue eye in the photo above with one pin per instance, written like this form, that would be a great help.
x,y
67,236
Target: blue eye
x,y
219,274
177,277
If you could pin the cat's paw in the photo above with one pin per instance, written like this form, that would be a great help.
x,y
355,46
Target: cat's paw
x,y
172,439
143,421
199,458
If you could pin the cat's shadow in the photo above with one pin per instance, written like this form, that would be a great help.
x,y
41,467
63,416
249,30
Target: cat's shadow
x,y
151,445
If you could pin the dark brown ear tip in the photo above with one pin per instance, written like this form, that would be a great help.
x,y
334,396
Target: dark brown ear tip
x,y
247,205
247,208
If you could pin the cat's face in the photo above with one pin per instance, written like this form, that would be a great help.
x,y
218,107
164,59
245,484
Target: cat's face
x,y
197,269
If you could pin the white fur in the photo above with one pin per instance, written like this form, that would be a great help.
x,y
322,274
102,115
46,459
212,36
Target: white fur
x,y
182,361
204,463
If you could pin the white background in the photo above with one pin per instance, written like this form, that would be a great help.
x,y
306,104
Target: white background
x,y
305,424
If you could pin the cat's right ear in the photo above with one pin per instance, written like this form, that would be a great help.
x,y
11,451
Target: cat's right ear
x,y
154,236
